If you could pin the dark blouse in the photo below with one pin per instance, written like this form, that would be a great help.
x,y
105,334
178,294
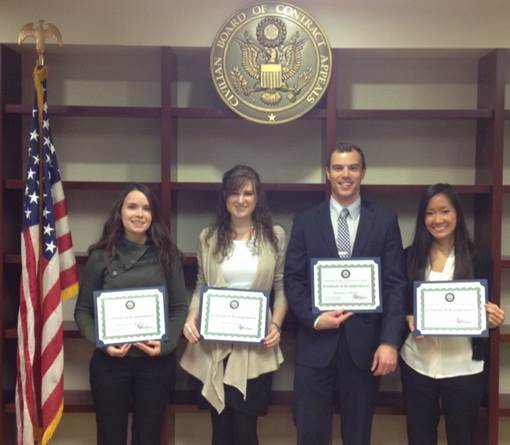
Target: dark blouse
x,y
134,265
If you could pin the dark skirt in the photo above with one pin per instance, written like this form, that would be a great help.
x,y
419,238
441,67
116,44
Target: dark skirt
x,y
258,393
257,396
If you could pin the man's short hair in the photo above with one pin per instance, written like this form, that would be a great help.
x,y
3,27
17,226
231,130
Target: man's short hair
x,y
346,147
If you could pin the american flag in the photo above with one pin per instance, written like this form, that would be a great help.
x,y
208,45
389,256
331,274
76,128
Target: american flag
x,y
48,275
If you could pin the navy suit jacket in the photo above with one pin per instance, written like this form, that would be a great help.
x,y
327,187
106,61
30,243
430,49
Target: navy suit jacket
x,y
378,235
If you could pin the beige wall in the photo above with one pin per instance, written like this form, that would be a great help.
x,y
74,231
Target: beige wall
x,y
348,23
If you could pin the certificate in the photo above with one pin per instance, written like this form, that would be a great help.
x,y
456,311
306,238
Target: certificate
x,y
130,315
352,284
450,308
233,315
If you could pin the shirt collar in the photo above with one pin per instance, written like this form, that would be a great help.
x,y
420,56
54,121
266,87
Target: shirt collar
x,y
354,208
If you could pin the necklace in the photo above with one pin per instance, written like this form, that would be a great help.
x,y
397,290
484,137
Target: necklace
x,y
241,235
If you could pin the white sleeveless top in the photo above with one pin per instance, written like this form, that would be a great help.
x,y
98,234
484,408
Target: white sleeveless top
x,y
240,268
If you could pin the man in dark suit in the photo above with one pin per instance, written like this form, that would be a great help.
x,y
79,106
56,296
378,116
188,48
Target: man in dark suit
x,y
339,349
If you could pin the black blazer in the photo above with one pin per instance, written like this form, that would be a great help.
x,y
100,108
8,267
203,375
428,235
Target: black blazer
x,y
378,235
482,270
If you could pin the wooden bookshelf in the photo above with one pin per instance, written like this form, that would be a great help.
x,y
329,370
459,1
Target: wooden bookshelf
x,y
486,191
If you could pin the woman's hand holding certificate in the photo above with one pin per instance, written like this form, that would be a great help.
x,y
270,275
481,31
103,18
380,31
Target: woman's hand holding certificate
x,y
450,308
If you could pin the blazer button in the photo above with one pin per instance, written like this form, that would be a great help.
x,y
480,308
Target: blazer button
x,y
114,273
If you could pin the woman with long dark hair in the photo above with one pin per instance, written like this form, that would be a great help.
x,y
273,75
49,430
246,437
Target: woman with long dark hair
x,y
133,251
444,369
242,250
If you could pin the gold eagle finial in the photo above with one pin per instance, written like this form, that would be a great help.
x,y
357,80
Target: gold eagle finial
x,y
40,33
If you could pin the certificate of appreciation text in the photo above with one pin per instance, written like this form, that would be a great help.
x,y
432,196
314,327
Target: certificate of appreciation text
x,y
130,315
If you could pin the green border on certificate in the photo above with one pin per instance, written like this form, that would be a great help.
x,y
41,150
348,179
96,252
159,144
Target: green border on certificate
x,y
235,315
451,308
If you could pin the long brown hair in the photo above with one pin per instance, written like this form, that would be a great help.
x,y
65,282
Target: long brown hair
x,y
233,180
113,229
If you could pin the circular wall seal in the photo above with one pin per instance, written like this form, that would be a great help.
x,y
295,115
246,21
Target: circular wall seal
x,y
271,63
130,304
234,304
346,273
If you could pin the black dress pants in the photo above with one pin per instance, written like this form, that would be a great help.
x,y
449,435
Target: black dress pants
x,y
237,423
314,390
138,383
233,427
460,400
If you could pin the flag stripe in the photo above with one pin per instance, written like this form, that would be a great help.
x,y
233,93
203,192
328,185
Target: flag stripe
x,y
68,277
59,209
53,400
64,244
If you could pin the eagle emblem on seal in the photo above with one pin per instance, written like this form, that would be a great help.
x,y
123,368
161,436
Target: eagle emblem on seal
x,y
271,62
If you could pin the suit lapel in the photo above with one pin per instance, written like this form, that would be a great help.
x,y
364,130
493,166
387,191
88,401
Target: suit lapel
x,y
326,230
366,221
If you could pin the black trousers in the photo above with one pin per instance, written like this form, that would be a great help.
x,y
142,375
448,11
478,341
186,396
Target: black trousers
x,y
459,397
237,423
314,390
233,427
119,384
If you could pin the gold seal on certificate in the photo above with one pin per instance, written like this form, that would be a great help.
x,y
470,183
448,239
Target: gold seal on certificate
x,y
130,315
451,308
233,315
350,284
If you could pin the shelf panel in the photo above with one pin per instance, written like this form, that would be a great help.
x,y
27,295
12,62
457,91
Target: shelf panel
x,y
89,111
15,258
189,259
221,113
504,405
504,336
184,401
74,402
415,114
293,187
420,188
269,187
18,184
505,262
139,112
70,331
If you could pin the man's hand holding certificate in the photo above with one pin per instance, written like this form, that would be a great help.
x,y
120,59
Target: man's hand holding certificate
x,y
450,308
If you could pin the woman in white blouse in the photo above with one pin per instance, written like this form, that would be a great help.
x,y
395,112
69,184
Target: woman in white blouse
x,y
444,369
241,250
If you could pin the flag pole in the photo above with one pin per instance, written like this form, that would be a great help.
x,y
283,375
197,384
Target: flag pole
x,y
40,73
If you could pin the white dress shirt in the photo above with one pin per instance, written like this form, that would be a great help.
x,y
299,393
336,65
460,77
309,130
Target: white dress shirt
x,y
441,357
